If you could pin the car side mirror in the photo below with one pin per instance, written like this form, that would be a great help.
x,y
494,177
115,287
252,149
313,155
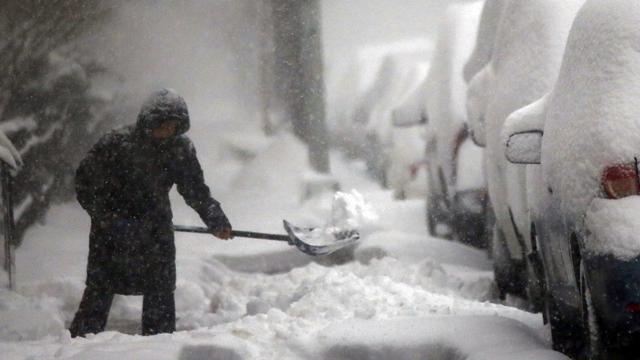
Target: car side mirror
x,y
524,147
403,122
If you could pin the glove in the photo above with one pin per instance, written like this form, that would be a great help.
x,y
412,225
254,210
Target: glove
x,y
218,223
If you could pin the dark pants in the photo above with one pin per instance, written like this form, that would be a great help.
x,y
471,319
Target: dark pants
x,y
158,313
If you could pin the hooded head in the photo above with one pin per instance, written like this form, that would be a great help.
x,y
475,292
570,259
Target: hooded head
x,y
161,106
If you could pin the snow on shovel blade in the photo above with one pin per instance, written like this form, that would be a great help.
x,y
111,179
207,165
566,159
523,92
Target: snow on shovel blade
x,y
318,242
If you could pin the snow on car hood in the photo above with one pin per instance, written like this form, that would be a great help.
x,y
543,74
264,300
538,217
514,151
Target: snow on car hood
x,y
614,228
593,118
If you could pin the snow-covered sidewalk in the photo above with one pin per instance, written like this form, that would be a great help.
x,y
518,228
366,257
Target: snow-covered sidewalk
x,y
399,295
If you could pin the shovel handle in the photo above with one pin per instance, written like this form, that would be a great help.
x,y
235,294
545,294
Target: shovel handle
x,y
234,233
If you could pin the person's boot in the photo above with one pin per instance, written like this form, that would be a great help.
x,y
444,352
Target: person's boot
x,y
158,313
92,313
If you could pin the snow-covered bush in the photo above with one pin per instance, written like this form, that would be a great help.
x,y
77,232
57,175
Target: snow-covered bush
x,y
51,105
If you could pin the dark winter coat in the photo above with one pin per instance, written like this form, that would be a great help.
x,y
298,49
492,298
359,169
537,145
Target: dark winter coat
x,y
124,184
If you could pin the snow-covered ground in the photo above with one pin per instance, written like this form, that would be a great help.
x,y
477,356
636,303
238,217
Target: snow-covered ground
x,y
399,294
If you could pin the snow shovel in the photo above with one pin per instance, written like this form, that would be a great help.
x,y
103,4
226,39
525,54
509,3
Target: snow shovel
x,y
299,237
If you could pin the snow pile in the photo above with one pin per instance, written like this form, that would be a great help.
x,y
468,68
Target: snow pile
x,y
613,227
351,211
440,337
593,111
29,318
252,299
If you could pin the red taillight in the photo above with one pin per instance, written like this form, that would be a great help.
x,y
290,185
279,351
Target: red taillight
x,y
633,308
413,170
620,181
461,136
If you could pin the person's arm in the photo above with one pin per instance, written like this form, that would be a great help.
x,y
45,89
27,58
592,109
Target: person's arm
x,y
191,185
94,179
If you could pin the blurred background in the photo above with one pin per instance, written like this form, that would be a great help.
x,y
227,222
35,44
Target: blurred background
x,y
248,69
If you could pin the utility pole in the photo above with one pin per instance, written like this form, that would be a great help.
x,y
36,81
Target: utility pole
x,y
270,124
8,223
298,70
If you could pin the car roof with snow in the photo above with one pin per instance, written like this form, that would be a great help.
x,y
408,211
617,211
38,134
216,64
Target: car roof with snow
x,y
445,84
528,51
487,29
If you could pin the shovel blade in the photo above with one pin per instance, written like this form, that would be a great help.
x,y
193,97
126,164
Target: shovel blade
x,y
302,238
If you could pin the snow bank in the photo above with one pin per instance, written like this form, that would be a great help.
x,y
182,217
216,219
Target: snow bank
x,y
224,312
592,118
29,318
613,227
436,337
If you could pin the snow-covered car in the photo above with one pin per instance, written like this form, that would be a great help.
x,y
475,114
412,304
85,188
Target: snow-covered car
x,y
405,171
456,194
365,85
589,234
403,74
528,48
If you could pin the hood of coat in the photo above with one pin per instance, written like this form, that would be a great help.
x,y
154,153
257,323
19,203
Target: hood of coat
x,y
160,106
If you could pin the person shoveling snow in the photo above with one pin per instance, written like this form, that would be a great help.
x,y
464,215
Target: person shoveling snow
x,y
123,183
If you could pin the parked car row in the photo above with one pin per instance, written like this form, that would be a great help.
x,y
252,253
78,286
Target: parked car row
x,y
384,82
552,100
456,197
584,135
531,138
556,109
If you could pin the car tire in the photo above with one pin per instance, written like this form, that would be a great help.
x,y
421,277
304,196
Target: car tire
x,y
508,275
437,214
593,336
535,289
563,334
431,218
